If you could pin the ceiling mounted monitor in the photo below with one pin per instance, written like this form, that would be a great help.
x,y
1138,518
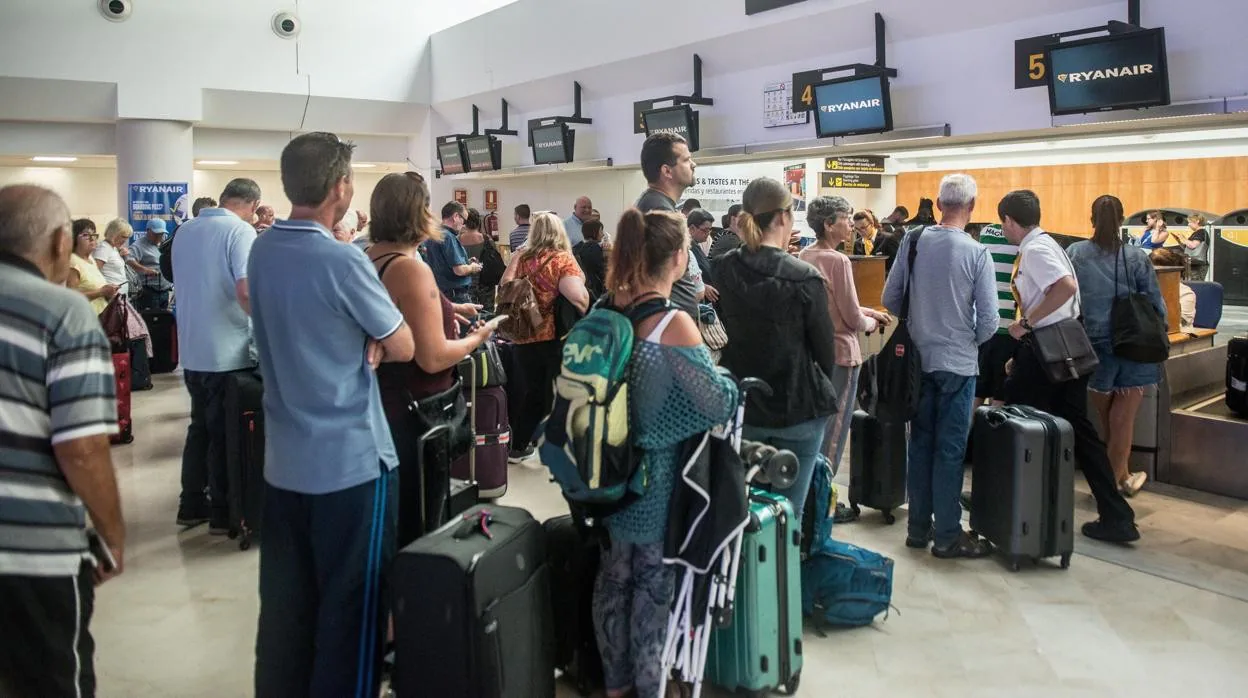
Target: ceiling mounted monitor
x,y
853,106
451,157
1119,71
483,153
681,120
553,144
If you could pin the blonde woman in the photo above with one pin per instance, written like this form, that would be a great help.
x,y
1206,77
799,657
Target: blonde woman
x,y
85,275
547,263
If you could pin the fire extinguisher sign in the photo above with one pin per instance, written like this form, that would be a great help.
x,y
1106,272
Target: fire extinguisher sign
x,y
491,199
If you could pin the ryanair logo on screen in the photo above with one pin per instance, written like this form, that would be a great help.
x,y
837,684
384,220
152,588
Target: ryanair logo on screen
x,y
678,130
1125,71
479,151
550,144
851,106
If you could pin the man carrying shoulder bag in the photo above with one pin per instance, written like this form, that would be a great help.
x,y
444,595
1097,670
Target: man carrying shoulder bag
x,y
1055,360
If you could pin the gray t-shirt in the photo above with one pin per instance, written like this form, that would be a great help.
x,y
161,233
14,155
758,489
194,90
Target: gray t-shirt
x,y
685,290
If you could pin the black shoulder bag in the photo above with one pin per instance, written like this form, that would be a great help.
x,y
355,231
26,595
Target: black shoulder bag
x,y
899,368
1139,331
1063,348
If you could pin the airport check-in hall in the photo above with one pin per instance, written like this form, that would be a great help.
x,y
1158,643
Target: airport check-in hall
x,y
555,348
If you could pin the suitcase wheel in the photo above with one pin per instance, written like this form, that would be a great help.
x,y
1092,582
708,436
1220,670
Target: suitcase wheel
x,y
790,686
889,518
1065,561
1016,563
244,543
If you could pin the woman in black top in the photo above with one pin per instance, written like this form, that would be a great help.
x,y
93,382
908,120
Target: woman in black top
x,y
775,310
589,254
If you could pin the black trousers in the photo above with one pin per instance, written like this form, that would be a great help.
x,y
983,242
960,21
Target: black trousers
x,y
46,649
1028,385
539,363
203,455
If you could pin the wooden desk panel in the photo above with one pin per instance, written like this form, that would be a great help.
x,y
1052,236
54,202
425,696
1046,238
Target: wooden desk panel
x,y
1169,278
869,278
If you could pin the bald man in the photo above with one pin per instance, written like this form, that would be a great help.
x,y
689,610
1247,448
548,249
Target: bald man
x,y
55,468
582,212
265,215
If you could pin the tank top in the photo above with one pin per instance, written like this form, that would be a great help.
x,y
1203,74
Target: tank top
x,y
400,383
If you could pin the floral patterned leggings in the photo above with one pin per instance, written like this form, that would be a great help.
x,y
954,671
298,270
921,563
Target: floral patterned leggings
x,y
632,603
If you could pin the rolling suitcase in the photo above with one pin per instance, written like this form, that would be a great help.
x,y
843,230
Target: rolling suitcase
x,y
472,610
455,496
761,647
244,455
1237,376
163,330
877,464
1023,498
121,372
573,560
140,372
486,462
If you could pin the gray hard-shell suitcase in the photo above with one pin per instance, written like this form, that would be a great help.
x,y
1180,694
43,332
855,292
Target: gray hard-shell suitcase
x,y
1023,488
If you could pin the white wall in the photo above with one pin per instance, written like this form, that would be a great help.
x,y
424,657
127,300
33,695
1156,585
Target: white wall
x,y
955,60
92,192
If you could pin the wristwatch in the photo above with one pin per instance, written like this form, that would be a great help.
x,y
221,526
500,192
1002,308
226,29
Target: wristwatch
x,y
1026,324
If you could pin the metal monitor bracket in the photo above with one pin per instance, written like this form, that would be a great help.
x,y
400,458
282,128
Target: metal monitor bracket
x,y
696,98
576,117
502,131
1113,26
881,57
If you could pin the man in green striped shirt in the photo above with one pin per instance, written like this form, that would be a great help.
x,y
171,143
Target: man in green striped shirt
x,y
994,353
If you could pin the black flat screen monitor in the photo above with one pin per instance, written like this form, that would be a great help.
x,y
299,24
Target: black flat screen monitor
x,y
481,153
451,157
852,106
553,144
1119,71
680,119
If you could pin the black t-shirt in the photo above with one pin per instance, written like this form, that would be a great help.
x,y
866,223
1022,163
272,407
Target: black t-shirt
x,y
654,200
593,262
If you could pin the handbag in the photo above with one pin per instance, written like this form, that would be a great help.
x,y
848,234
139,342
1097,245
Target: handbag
x,y
115,320
485,365
1139,332
447,408
899,367
1063,348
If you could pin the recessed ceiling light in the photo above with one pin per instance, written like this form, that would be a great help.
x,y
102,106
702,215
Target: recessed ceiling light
x,y
217,162
362,164
53,158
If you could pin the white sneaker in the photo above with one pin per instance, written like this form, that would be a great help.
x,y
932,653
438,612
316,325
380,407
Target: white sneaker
x,y
1134,482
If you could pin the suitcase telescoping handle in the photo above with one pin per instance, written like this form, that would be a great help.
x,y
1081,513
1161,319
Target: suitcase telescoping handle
x,y
998,416
440,431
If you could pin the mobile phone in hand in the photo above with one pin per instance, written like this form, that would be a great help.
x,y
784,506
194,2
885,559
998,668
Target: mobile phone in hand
x,y
100,552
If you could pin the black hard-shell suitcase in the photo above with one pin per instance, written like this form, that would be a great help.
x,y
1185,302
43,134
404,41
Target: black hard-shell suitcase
x,y
573,558
420,513
163,331
472,611
140,371
877,464
1237,376
1023,495
244,454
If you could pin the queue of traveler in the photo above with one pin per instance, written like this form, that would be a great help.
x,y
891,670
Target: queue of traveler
x,y
347,340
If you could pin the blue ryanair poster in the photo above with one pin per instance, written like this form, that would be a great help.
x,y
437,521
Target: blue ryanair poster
x,y
166,200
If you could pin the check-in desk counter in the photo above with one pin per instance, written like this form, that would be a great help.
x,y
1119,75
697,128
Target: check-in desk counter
x,y
1152,446
1206,441
869,279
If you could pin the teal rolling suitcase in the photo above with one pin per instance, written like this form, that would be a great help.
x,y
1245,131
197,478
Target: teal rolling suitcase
x,y
760,650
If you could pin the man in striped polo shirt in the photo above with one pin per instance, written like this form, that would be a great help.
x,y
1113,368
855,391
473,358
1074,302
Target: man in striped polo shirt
x,y
994,353
57,408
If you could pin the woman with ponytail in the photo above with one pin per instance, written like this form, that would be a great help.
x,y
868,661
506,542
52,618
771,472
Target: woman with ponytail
x,y
775,310
675,393
1107,269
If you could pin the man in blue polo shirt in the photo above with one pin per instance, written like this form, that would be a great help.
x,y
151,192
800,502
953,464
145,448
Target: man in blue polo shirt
x,y
209,257
322,322
452,270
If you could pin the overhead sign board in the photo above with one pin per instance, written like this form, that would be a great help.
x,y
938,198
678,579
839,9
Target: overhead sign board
x,y
852,106
1030,70
849,180
855,163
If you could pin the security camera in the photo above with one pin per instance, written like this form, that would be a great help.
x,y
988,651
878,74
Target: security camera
x,y
116,10
286,24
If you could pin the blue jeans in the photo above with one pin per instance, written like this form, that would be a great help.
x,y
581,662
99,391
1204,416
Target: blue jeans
x,y
804,440
937,451
845,380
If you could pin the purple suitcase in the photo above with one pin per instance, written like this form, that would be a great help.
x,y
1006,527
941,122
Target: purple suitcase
x,y
487,461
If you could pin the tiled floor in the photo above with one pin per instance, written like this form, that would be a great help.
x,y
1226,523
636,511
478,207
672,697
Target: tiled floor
x,y
1167,618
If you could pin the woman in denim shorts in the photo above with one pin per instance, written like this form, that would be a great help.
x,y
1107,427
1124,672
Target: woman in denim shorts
x,y
1106,269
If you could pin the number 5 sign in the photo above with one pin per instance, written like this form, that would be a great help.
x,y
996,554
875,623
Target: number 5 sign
x,y
1029,67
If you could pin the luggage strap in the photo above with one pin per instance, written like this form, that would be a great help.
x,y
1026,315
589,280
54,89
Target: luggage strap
x,y
493,439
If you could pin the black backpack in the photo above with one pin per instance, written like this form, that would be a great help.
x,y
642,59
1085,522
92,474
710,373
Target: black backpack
x,y
1139,332
166,258
899,368
492,265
